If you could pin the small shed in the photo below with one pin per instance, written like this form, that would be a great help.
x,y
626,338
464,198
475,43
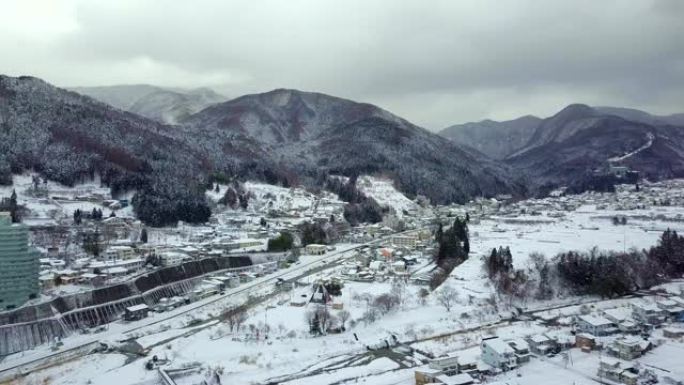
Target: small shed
x,y
136,312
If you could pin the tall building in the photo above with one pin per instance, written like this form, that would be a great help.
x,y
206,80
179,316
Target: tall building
x,y
18,265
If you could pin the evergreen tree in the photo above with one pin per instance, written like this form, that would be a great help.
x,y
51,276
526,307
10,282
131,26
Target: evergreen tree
x,y
14,207
439,234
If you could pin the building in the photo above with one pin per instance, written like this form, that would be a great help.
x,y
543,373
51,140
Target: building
x,y
521,349
617,371
120,252
447,364
498,354
622,317
585,341
407,241
314,249
19,265
595,325
170,258
629,348
673,332
426,376
136,312
541,344
672,309
648,313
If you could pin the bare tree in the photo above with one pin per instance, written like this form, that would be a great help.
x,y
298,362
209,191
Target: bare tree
x,y
399,290
386,302
447,297
344,316
423,293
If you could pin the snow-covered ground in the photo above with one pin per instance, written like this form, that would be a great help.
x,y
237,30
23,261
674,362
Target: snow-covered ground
x,y
384,192
61,201
291,354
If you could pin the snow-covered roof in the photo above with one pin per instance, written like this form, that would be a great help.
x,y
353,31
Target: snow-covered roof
x,y
498,346
619,313
595,320
138,307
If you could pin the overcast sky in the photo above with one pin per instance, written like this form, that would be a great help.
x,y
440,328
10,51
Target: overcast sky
x,y
433,62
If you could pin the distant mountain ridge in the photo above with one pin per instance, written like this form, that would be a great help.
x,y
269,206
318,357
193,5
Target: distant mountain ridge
x,y
308,135
494,139
282,137
165,105
566,147
563,149
69,137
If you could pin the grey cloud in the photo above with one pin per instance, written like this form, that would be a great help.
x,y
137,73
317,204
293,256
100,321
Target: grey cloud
x,y
436,63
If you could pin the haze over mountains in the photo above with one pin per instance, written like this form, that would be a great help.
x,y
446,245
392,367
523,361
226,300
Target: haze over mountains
x,y
165,105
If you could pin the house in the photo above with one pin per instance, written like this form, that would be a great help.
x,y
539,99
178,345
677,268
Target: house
x,y
541,344
521,349
446,364
458,379
617,370
120,252
315,249
673,332
467,364
585,341
622,317
648,313
596,325
672,308
399,267
498,354
628,348
377,266
433,376
426,376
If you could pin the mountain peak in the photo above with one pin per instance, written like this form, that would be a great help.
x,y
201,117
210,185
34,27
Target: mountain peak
x,y
575,111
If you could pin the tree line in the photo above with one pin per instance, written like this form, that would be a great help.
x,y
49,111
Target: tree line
x,y
593,272
359,208
453,247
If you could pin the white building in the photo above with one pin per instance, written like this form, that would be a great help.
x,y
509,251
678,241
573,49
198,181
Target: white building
x,y
170,258
120,252
595,325
407,241
498,354
315,249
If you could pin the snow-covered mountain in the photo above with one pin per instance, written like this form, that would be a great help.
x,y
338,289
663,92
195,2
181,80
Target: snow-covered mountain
x,y
567,146
166,105
69,138
495,139
281,137
297,135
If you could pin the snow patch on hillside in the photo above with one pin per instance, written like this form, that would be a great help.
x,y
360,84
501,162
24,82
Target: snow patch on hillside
x,y
295,200
384,192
